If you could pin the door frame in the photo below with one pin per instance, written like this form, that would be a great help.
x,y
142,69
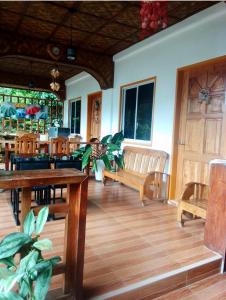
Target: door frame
x,y
90,99
177,113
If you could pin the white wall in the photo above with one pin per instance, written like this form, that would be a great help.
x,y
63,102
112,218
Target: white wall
x,y
198,38
201,37
82,85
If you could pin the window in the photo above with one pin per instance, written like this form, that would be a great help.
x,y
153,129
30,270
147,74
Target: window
x,y
137,107
75,115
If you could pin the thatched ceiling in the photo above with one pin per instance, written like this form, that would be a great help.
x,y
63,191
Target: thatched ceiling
x,y
99,30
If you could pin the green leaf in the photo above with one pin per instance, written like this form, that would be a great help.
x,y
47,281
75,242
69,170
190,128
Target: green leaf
x,y
94,168
86,157
29,223
106,139
8,279
43,265
28,261
44,244
12,243
5,273
10,296
55,260
42,284
25,287
117,138
40,267
106,161
41,219
119,161
8,261
113,147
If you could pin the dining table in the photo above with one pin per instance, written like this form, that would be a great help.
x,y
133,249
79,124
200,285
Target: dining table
x,y
75,209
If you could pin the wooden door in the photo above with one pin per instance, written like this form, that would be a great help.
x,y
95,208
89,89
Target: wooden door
x,y
94,115
202,123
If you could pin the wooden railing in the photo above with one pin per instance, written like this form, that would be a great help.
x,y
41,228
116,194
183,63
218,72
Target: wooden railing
x,y
55,111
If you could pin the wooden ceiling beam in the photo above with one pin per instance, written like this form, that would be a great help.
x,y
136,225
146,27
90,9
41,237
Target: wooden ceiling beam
x,y
25,8
99,66
13,80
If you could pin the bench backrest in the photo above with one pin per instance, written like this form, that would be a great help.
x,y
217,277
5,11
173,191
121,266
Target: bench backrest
x,y
142,160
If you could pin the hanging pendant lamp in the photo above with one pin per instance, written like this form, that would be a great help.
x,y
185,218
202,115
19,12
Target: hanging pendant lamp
x,y
71,51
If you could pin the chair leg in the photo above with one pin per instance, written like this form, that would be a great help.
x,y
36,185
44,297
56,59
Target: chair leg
x,y
180,215
142,196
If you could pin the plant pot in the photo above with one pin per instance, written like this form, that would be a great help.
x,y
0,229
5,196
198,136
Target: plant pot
x,y
99,171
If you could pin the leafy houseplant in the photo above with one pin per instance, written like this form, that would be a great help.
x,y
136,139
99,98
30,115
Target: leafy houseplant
x,y
108,150
30,279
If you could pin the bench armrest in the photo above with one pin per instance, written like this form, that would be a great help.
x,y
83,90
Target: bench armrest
x,y
195,189
159,182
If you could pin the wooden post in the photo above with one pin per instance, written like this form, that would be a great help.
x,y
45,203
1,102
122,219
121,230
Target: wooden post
x,y
215,228
75,238
25,204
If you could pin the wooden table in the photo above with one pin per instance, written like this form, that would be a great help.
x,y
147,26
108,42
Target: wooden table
x,y
75,222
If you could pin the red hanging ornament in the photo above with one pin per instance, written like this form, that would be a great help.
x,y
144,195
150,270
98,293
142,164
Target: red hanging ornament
x,y
153,17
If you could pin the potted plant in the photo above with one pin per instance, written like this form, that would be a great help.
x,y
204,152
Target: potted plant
x,y
107,153
30,279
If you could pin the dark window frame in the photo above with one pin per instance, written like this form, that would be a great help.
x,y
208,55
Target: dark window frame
x,y
136,85
78,99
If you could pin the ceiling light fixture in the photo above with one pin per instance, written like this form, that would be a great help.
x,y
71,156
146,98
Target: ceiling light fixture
x,y
71,52
31,83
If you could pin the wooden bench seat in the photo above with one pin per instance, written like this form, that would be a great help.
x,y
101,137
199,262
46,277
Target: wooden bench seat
x,y
143,171
194,201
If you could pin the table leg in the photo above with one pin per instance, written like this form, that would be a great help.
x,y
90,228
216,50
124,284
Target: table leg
x,y
7,156
25,204
75,238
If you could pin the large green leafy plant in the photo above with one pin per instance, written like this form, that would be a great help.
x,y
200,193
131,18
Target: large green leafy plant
x,y
30,278
109,150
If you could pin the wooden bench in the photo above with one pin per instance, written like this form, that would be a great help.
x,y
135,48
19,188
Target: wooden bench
x,y
193,201
143,171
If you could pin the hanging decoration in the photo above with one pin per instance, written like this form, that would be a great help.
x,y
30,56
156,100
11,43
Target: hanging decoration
x,y
153,17
54,85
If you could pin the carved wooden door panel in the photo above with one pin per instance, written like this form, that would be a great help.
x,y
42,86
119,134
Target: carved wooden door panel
x,y
202,129
94,116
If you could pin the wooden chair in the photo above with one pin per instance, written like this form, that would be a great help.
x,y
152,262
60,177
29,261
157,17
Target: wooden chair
x,y
26,144
74,143
193,201
59,146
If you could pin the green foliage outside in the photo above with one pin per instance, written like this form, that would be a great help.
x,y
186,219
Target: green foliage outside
x,y
30,279
55,109
27,93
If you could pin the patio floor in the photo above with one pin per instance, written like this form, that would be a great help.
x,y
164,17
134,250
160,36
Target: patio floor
x,y
126,243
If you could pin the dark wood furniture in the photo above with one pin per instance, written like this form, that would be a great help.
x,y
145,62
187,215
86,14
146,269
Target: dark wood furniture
x,y
215,228
194,201
75,222
26,144
59,146
143,171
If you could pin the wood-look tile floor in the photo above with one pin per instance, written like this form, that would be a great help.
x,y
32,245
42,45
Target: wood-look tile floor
x,y
125,242
212,288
